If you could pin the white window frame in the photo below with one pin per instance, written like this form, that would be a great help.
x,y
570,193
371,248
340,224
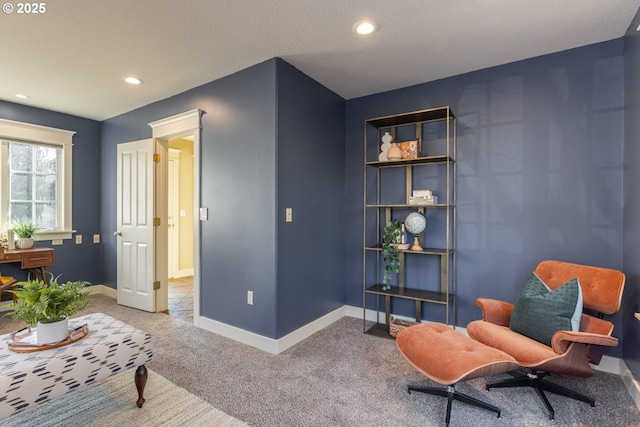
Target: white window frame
x,y
13,131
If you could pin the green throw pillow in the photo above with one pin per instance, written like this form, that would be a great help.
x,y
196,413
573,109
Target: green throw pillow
x,y
540,312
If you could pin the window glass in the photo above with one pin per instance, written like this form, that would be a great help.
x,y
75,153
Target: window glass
x,y
36,178
33,188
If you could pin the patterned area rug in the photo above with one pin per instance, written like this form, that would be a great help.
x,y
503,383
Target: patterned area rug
x,y
111,403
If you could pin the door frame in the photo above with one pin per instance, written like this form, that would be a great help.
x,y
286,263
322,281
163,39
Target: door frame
x,y
180,125
173,261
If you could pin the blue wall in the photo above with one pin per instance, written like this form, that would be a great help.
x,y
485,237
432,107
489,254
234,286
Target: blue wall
x,y
257,121
631,301
539,169
238,184
310,173
74,262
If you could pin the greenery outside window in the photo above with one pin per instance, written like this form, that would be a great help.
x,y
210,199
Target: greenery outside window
x,y
35,170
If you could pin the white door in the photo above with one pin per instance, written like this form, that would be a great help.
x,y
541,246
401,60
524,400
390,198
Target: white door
x,y
135,228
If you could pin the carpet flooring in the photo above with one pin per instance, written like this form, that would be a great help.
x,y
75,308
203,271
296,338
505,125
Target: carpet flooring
x,y
342,377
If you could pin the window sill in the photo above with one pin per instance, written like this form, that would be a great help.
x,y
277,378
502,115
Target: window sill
x,y
54,235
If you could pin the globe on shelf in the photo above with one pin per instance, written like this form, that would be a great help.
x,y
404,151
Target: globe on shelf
x,y
415,223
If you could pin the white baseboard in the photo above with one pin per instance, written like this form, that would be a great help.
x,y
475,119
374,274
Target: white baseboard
x,y
270,345
633,385
104,290
183,273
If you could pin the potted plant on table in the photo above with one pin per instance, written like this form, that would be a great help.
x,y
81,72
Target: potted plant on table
x,y
24,230
48,306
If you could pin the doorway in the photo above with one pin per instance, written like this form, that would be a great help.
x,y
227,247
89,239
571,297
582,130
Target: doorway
x,y
183,128
180,206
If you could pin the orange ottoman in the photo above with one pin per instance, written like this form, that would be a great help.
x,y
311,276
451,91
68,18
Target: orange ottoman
x,y
448,357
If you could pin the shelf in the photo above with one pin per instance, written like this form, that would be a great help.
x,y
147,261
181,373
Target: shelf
x,y
435,128
410,162
433,114
425,251
410,293
400,206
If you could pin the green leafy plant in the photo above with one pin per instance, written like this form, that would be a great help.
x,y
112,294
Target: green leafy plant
x,y
24,228
48,303
390,253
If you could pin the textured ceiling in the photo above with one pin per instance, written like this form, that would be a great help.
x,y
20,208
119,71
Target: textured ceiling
x,y
72,57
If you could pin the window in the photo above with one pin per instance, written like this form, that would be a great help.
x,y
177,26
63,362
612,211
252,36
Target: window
x,y
35,167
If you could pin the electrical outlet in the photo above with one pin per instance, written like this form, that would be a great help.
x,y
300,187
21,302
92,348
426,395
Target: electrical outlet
x,y
96,238
288,215
57,242
78,239
250,297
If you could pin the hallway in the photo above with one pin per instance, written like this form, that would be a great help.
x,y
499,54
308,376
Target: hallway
x,y
181,298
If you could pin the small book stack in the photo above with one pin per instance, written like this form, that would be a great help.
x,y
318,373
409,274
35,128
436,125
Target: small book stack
x,y
423,198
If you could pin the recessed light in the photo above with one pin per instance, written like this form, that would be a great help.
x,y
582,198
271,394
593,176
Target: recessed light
x,y
365,27
133,80
21,96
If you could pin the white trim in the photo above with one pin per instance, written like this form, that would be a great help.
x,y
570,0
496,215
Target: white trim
x,y
103,290
35,133
632,384
270,345
173,125
27,132
53,235
184,273
187,123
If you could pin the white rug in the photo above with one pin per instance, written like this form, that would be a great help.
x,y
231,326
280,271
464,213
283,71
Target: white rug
x,y
112,403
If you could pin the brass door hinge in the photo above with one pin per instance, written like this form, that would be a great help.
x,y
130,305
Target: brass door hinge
x,y
156,222
156,158
156,285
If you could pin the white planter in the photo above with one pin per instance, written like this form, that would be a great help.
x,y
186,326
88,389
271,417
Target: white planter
x,y
51,333
25,243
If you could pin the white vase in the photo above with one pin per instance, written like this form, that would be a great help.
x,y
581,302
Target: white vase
x,y
26,243
51,333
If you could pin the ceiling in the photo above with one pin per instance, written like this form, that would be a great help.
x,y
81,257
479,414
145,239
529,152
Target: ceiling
x,y
72,58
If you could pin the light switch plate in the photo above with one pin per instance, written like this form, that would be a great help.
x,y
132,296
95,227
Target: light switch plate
x,y
204,214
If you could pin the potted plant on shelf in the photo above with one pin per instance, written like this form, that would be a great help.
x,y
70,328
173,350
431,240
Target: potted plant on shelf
x,y
48,306
392,237
25,230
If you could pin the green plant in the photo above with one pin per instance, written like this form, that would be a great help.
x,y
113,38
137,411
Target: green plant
x,y
24,228
390,253
48,303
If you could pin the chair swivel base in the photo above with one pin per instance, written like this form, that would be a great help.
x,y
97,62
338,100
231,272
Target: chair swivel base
x,y
452,395
536,380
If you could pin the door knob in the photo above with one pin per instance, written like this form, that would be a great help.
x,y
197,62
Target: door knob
x,y
117,233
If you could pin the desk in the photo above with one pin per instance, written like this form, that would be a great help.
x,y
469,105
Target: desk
x,y
35,259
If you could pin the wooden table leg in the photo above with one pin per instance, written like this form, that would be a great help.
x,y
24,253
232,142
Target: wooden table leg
x,y
41,273
141,382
